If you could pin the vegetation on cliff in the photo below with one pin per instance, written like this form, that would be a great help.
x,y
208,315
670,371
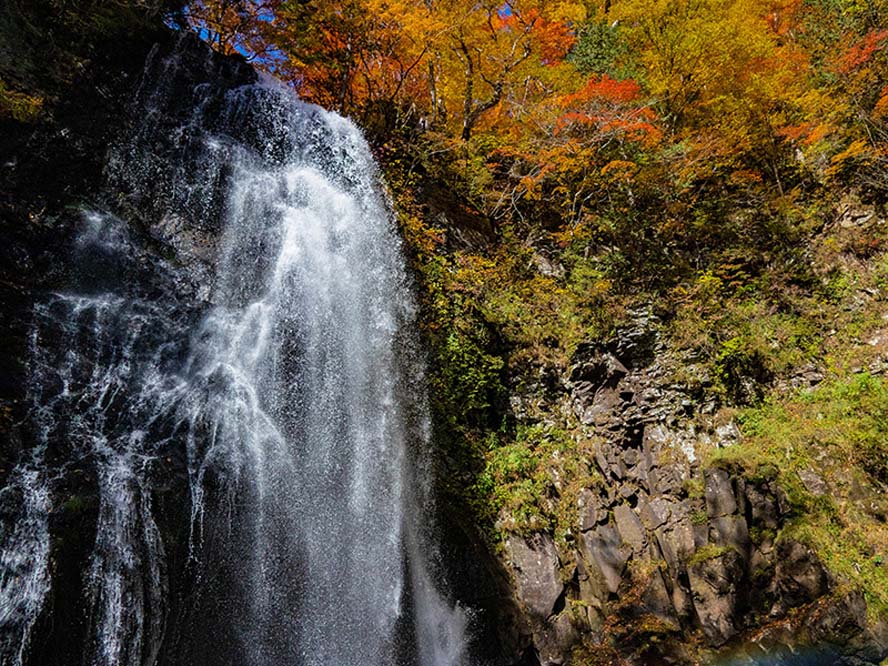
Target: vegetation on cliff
x,y
557,166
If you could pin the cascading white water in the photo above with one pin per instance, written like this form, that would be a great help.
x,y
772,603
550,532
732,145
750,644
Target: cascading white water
x,y
99,386
299,369
24,560
297,397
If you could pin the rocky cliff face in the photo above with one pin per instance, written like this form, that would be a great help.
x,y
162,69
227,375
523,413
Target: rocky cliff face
x,y
670,560
54,169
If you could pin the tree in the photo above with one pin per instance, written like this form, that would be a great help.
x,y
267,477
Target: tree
x,y
234,26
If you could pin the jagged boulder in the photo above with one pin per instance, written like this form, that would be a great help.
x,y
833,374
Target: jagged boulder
x,y
536,564
800,576
540,591
714,582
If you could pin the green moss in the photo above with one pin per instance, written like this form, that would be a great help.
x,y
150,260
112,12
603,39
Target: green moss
x,y
764,473
839,431
693,487
699,517
471,375
535,474
760,535
844,418
708,552
740,370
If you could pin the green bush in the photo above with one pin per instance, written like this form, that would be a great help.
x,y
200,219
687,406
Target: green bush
x,y
741,371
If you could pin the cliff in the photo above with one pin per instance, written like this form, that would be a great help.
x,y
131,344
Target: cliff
x,y
692,474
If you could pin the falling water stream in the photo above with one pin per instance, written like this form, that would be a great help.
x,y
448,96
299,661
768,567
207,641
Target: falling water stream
x,y
290,384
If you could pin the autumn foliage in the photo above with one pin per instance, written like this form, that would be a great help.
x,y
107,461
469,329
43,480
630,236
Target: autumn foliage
x,y
560,166
656,121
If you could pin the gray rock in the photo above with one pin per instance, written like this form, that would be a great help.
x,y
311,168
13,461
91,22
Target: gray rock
x,y
606,556
783,506
657,601
813,482
546,266
845,617
668,480
701,535
727,435
590,595
602,405
631,457
601,368
655,513
763,508
188,242
800,576
601,459
647,430
720,500
730,531
676,545
630,528
535,562
554,640
627,491
714,588
592,508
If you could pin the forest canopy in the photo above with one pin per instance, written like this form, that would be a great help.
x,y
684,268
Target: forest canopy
x,y
548,105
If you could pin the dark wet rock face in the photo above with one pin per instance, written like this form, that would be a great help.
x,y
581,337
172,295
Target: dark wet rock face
x,y
52,173
48,169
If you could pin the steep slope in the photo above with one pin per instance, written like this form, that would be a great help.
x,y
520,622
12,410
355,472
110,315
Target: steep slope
x,y
695,475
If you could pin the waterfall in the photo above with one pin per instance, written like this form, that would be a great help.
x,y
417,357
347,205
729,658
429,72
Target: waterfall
x,y
275,354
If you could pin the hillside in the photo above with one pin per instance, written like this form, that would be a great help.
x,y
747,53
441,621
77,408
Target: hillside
x,y
649,245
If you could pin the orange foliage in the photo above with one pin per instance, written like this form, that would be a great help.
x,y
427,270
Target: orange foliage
x,y
782,18
605,89
610,107
808,133
861,51
685,95
555,39
881,108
